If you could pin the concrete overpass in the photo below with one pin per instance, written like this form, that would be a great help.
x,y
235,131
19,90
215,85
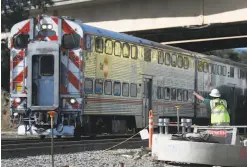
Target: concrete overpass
x,y
165,20
137,15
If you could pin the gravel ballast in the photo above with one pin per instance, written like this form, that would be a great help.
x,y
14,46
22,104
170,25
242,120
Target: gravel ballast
x,y
111,158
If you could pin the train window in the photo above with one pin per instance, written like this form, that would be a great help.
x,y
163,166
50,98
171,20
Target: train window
x,y
47,65
98,86
200,66
47,33
180,61
201,94
205,94
224,70
126,50
88,42
117,48
185,95
108,87
125,89
117,88
218,69
160,93
232,72
173,94
174,60
71,41
88,87
133,90
21,41
160,57
186,63
241,74
134,52
221,70
179,94
167,59
214,68
190,96
147,54
205,67
108,46
210,70
99,44
167,93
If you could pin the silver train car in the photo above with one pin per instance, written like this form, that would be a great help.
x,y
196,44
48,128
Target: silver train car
x,y
100,81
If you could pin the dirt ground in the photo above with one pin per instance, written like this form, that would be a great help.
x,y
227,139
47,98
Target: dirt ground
x,y
5,111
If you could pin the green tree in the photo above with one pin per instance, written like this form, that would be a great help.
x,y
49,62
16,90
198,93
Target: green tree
x,y
5,59
230,54
14,11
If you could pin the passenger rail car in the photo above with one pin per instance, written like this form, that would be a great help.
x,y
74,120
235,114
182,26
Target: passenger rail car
x,y
100,81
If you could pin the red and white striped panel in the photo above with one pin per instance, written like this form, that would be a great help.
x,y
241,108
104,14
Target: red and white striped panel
x,y
73,61
18,67
47,20
72,64
21,27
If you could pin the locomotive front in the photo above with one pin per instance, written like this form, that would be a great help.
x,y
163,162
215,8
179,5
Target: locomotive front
x,y
46,74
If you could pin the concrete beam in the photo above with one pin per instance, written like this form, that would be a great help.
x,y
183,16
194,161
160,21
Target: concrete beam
x,y
136,15
202,40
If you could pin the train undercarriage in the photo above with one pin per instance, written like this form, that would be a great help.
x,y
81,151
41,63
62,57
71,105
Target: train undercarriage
x,y
39,124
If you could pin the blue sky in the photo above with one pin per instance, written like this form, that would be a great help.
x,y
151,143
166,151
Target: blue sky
x,y
241,49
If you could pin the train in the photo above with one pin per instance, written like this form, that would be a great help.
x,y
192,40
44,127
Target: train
x,y
99,81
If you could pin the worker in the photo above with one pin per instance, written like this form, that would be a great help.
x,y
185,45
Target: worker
x,y
219,113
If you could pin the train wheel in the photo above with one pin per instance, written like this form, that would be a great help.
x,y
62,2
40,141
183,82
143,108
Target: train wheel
x,y
59,136
77,132
42,137
92,136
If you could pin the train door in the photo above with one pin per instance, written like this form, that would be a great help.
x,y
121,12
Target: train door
x,y
43,76
147,99
45,81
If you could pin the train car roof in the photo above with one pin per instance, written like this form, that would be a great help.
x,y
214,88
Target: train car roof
x,y
222,60
128,38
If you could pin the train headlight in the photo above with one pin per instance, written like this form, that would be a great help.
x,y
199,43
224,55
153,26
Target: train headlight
x,y
49,26
17,100
72,101
44,26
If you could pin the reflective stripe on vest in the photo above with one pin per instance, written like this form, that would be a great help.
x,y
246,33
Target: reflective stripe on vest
x,y
219,112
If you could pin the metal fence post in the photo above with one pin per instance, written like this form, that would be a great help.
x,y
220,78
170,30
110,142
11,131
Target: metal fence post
x,y
161,125
178,107
184,125
166,124
150,128
52,113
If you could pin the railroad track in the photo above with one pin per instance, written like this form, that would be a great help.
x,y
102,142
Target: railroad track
x,y
11,140
24,149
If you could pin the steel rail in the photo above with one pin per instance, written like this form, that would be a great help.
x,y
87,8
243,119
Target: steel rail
x,y
24,149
